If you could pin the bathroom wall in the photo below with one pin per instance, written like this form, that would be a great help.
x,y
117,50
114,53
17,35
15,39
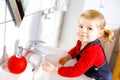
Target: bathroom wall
x,y
68,33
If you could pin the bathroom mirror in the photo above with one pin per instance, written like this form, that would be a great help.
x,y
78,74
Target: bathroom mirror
x,y
16,10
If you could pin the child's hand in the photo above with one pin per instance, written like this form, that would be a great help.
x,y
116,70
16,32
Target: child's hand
x,y
64,59
49,67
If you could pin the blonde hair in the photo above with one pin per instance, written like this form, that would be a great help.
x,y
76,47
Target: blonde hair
x,y
108,35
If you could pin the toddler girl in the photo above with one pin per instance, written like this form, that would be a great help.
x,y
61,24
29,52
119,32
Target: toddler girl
x,y
88,50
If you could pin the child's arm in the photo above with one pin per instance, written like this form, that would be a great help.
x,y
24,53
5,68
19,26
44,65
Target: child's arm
x,y
64,59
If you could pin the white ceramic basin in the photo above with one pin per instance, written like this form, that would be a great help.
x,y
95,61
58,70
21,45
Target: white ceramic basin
x,y
52,55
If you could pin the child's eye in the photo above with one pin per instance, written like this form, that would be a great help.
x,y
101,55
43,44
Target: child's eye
x,y
80,26
89,28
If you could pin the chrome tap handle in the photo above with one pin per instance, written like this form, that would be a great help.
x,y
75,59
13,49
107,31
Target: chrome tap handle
x,y
33,44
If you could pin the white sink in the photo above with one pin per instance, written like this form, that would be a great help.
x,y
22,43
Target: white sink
x,y
52,55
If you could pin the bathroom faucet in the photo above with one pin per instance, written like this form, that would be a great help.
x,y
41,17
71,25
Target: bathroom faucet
x,y
34,56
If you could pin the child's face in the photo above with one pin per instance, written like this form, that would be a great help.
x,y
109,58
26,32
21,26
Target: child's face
x,y
87,30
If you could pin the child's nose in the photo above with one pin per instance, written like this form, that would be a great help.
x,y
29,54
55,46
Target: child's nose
x,y
84,30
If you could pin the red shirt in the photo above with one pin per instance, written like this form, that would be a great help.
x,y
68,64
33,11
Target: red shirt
x,y
91,56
